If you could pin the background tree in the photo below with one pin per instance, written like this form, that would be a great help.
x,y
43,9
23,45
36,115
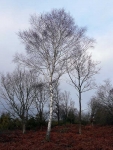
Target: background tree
x,y
105,95
16,92
40,100
5,120
101,104
81,70
67,107
51,37
94,106
57,103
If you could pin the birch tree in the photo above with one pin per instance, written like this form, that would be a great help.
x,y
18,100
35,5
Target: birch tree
x,y
51,36
17,93
81,70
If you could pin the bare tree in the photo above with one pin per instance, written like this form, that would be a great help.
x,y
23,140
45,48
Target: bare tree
x,y
57,103
101,104
104,95
17,92
66,100
51,37
41,98
81,70
94,106
63,106
67,105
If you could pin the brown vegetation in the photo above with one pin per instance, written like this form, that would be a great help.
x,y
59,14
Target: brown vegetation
x,y
62,137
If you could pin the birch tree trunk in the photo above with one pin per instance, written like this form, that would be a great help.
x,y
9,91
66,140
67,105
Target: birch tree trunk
x,y
51,114
79,112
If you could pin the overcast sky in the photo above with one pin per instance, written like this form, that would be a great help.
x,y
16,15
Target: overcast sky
x,y
96,15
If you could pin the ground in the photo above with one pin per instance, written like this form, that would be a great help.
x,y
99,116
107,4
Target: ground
x,y
62,138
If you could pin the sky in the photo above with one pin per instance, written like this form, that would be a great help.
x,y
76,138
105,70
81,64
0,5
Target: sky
x,y
96,15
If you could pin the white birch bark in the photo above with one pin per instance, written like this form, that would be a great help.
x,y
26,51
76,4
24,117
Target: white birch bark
x,y
51,114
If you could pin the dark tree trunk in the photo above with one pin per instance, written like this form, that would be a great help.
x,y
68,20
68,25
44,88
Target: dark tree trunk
x,y
23,127
58,116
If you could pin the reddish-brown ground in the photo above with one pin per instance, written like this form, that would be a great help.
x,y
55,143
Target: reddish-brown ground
x,y
62,138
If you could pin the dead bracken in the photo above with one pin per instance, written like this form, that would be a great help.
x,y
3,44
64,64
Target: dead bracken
x,y
92,138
